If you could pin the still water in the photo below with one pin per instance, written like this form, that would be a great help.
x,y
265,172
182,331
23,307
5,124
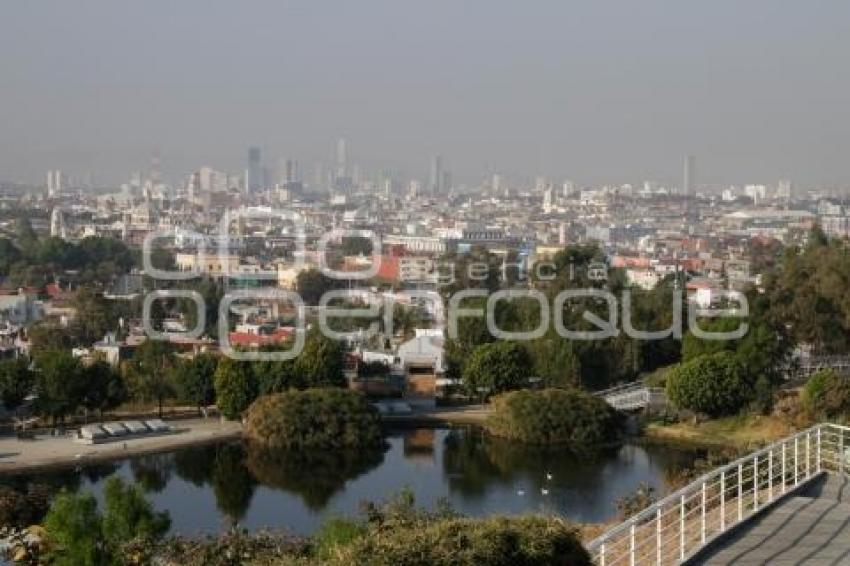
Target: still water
x,y
206,489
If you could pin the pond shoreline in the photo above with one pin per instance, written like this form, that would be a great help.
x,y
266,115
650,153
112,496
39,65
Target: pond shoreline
x,y
46,452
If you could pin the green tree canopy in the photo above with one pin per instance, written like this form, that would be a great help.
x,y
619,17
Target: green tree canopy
x,y
713,384
235,387
497,367
16,382
194,379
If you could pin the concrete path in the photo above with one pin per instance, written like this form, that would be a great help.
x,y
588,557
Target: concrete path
x,y
47,451
812,528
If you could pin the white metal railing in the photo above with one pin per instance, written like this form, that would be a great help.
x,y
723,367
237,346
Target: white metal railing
x,y
675,528
633,396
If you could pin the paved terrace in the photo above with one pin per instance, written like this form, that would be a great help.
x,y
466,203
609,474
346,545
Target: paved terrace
x,y
788,503
812,528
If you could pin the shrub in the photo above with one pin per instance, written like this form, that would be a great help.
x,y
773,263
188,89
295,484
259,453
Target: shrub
x,y
826,395
314,418
713,384
496,367
554,416
494,541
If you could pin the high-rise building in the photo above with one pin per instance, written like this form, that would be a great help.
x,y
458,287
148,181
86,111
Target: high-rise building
x,y
436,179
54,183
341,158
255,169
689,180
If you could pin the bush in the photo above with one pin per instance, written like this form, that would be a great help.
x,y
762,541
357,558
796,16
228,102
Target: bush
x,y
496,367
554,416
827,395
713,384
494,541
314,418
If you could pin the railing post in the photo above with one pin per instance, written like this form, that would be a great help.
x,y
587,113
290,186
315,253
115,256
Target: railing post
x,y
808,454
702,515
841,450
770,475
722,500
632,545
796,460
682,528
784,471
755,482
740,492
817,457
602,554
658,535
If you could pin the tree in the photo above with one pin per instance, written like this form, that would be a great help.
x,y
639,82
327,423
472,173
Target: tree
x,y
276,376
320,364
194,380
74,534
150,372
9,255
105,388
497,367
235,387
95,317
826,395
16,382
554,416
713,384
311,284
78,534
60,384
128,515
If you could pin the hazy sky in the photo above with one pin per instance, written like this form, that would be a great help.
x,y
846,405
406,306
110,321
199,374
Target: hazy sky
x,y
596,91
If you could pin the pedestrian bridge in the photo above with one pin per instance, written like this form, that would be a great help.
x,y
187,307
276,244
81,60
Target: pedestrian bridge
x,y
788,503
634,396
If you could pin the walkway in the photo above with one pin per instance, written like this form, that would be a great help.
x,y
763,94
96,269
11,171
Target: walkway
x,y
788,503
813,528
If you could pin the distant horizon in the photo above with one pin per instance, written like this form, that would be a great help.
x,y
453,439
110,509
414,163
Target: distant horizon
x,y
599,93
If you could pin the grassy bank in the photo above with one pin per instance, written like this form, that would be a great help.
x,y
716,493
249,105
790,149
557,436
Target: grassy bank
x,y
740,431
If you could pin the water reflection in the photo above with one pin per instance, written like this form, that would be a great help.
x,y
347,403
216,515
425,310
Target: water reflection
x,y
314,476
212,487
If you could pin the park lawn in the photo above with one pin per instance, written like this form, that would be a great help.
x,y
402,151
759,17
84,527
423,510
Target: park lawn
x,y
740,431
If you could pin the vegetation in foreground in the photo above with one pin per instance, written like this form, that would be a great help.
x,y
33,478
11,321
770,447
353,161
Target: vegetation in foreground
x,y
392,533
554,416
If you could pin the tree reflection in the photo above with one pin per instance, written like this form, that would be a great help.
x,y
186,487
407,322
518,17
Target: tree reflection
x,y
232,482
195,464
152,471
314,476
475,461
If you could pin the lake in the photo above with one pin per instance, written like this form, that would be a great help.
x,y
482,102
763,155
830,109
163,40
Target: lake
x,y
208,488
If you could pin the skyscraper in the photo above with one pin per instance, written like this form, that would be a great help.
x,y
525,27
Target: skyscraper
x,y
341,159
689,176
436,179
255,169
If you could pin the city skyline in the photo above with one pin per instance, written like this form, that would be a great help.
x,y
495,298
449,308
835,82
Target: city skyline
x,y
582,91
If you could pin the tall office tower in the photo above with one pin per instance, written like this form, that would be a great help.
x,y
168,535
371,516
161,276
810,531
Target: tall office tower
x,y
51,186
784,190
689,181
496,183
436,177
447,181
341,158
255,169
290,171
568,188
57,224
